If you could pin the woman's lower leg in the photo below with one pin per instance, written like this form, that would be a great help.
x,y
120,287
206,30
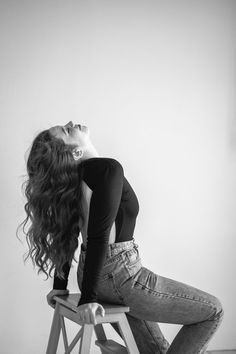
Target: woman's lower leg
x,y
194,338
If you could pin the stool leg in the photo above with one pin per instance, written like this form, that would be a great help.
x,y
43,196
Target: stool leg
x,y
85,342
100,333
128,335
55,332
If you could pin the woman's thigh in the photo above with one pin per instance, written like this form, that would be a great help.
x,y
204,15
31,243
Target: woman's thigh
x,y
156,298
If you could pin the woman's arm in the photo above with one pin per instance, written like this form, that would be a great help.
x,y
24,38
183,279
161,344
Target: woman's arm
x,y
104,204
61,284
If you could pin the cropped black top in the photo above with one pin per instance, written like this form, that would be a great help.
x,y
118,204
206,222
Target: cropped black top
x,y
113,199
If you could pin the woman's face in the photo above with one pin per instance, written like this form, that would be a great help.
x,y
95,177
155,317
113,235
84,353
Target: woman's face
x,y
71,134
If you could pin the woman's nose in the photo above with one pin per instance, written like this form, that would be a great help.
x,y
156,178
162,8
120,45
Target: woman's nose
x,y
70,124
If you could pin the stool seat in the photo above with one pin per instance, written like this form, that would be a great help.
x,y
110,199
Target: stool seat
x,y
66,307
71,301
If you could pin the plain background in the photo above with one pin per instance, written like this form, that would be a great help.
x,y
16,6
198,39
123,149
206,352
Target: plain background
x,y
155,83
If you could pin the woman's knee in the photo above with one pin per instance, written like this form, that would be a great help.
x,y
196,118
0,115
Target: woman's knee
x,y
218,308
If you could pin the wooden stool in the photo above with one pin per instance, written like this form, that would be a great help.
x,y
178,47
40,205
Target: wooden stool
x,y
66,306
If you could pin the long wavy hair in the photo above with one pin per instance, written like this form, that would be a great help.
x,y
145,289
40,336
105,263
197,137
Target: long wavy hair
x,y
53,192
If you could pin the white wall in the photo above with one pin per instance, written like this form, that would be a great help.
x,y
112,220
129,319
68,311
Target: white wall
x,y
155,83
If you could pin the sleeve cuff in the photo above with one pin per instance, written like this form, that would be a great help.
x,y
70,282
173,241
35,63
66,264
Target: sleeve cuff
x,y
86,301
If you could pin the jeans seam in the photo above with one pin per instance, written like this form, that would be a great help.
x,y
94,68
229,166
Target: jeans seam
x,y
116,290
158,345
173,295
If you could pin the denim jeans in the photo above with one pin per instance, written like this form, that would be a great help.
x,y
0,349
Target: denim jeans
x,y
152,299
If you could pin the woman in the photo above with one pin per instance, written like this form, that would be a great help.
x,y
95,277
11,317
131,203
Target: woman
x,y
71,189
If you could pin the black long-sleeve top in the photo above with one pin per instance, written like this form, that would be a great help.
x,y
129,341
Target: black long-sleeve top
x,y
113,199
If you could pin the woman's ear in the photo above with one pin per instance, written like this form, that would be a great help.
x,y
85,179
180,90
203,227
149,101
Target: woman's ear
x,y
77,153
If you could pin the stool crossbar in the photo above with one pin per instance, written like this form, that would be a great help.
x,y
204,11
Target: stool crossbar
x,y
66,306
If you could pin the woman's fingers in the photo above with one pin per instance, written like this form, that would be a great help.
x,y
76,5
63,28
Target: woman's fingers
x,y
87,316
101,310
87,312
93,316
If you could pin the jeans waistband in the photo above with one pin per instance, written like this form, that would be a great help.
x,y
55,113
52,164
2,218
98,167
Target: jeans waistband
x,y
116,248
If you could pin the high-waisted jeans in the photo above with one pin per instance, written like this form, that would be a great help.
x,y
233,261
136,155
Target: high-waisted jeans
x,y
152,299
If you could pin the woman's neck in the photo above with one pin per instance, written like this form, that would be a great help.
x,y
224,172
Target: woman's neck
x,y
90,153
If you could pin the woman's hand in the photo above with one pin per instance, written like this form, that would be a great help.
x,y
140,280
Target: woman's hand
x,y
54,292
87,312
